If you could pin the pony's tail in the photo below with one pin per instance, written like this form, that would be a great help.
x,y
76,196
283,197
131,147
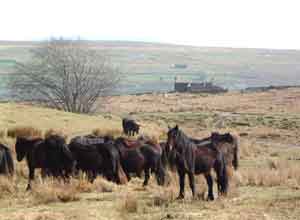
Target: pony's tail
x,y
160,172
121,176
222,176
235,161
10,162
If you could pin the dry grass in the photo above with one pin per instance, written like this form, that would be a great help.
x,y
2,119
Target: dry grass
x,y
24,132
265,187
2,133
278,173
6,186
53,191
100,132
130,204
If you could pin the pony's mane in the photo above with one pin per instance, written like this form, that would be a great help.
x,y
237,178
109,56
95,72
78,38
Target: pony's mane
x,y
183,140
226,137
31,139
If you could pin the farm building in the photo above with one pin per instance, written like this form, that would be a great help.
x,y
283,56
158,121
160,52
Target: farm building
x,y
205,87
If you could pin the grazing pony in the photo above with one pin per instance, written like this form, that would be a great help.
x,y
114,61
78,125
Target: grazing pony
x,y
130,127
192,160
96,155
140,157
51,154
6,161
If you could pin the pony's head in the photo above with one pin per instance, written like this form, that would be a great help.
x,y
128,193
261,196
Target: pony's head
x,y
172,136
21,149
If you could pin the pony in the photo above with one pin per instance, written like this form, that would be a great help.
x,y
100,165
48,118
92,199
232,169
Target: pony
x,y
6,161
192,160
130,127
226,143
97,156
140,157
51,154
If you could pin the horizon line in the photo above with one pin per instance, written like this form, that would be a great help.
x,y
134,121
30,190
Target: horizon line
x,y
148,42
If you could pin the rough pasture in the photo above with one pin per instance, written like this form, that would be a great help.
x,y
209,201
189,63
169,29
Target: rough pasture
x,y
266,186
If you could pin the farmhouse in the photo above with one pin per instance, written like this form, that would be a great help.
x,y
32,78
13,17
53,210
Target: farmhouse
x,y
205,87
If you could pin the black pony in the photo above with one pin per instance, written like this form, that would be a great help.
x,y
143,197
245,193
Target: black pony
x,y
6,161
51,154
192,160
139,158
130,127
96,155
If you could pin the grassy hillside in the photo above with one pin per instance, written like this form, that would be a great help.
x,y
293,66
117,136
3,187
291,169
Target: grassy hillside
x,y
70,124
266,186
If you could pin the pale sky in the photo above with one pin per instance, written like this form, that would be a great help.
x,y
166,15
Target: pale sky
x,y
230,23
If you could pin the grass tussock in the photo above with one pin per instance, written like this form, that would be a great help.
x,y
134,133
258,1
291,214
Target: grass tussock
x,y
278,173
100,185
52,191
130,204
164,196
7,186
99,132
24,132
2,133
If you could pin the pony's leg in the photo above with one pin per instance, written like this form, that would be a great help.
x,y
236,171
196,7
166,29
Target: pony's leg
x,y
31,177
91,176
192,183
181,183
209,181
147,176
128,176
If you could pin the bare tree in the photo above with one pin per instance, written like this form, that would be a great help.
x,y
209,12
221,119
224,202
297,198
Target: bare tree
x,y
66,75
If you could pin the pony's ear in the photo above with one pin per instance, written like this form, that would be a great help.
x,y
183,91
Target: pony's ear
x,y
176,127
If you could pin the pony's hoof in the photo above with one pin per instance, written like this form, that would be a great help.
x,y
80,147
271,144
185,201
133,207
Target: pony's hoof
x,y
180,197
210,198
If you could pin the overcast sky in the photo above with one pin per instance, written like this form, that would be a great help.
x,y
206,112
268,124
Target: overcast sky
x,y
230,23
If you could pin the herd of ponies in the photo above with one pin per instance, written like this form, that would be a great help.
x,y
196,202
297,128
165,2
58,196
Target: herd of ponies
x,y
117,159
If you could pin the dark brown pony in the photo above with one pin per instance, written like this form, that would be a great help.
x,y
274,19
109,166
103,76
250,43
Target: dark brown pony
x,y
140,157
51,154
226,143
192,160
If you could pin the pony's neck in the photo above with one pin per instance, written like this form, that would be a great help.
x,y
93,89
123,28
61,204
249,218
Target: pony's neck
x,y
181,138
